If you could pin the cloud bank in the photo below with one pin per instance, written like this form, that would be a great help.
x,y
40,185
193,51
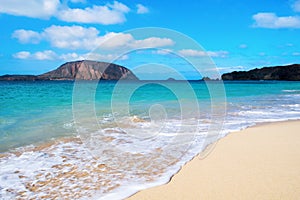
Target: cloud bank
x,y
108,14
271,20
78,37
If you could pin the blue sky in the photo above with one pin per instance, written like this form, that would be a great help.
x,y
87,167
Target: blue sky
x,y
39,35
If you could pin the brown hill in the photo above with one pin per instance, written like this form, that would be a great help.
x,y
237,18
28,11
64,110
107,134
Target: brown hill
x,y
80,70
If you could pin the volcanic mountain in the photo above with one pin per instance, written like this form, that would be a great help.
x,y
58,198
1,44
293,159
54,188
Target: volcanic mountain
x,y
80,70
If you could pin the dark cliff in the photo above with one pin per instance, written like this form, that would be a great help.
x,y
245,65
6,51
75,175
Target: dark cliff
x,y
286,73
80,70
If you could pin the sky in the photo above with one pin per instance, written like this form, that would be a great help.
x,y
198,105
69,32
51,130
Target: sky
x,y
224,36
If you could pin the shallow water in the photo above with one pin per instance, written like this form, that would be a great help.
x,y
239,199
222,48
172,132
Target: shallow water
x,y
108,140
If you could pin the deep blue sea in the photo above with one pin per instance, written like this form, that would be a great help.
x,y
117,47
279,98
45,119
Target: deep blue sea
x,y
108,139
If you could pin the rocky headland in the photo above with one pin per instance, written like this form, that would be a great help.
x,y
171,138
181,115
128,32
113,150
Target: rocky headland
x,y
280,73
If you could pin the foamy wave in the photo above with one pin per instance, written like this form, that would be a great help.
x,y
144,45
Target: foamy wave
x,y
291,91
66,169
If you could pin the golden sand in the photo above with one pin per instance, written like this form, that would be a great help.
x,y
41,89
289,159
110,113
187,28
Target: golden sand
x,y
261,162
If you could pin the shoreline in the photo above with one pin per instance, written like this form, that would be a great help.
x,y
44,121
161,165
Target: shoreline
x,y
192,173
261,162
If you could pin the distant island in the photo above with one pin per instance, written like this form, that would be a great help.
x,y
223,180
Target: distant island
x,y
283,73
94,70
171,79
79,70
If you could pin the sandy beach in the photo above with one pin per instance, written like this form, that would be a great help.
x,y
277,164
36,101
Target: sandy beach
x,y
261,162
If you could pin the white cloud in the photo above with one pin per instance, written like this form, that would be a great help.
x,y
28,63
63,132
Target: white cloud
x,y
51,55
296,6
45,55
221,54
30,8
115,40
118,7
89,56
151,42
199,53
78,37
40,55
141,9
71,37
22,55
71,57
271,20
108,14
27,36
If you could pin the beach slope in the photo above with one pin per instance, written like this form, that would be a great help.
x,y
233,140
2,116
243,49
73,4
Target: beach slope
x,y
261,162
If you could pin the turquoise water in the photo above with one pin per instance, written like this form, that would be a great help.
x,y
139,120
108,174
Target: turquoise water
x,y
37,111
34,111
125,125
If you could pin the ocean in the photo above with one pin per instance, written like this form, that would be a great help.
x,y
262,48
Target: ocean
x,y
109,139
